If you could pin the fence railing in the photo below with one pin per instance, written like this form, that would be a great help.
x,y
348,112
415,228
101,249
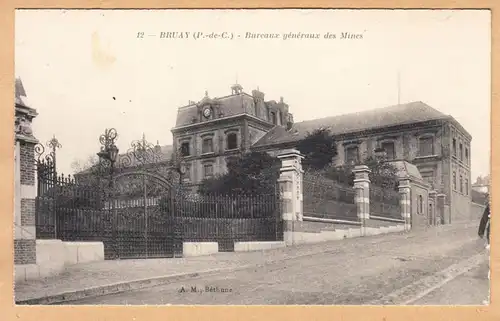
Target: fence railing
x,y
73,212
325,198
385,202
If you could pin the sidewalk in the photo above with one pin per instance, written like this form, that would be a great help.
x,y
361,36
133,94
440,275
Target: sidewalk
x,y
115,276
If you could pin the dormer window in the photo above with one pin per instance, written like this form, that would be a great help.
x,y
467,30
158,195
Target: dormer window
x,y
231,141
274,118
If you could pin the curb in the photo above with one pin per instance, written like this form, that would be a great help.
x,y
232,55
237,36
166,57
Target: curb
x,y
151,282
122,287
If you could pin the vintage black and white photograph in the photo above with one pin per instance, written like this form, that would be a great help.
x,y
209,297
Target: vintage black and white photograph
x,y
252,157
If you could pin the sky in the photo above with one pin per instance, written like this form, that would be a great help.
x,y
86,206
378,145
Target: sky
x,y
87,70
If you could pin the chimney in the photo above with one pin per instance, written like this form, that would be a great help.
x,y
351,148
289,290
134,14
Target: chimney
x,y
289,122
157,147
257,94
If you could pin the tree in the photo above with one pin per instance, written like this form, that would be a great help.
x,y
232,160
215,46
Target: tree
x,y
79,166
318,148
383,174
253,173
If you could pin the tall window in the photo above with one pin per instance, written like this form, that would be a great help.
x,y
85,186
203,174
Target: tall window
x,y
467,155
231,141
454,181
388,147
454,147
466,186
425,146
461,150
208,146
351,155
461,184
208,170
187,175
185,150
420,204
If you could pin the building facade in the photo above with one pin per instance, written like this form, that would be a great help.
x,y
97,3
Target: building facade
x,y
208,133
415,132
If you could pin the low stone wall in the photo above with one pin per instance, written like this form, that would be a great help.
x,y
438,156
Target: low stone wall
x,y
316,225
371,231
375,221
83,252
199,248
52,256
340,233
256,246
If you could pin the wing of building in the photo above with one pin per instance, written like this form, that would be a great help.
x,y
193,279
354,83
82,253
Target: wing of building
x,y
209,132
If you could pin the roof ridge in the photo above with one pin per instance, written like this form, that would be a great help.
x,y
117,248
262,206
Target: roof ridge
x,y
377,109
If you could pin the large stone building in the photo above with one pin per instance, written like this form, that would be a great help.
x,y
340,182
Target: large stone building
x,y
210,132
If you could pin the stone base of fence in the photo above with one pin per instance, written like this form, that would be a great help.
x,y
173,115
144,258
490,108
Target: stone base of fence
x,y
199,248
376,221
309,233
257,246
52,256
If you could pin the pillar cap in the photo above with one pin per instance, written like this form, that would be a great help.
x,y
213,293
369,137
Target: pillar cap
x,y
290,153
361,168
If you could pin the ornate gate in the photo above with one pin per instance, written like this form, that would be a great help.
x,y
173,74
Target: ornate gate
x,y
144,222
139,196
125,201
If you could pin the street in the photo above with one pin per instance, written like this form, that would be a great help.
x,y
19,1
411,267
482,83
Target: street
x,y
411,269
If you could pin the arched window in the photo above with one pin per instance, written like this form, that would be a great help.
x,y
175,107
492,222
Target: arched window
x,y
420,204
231,141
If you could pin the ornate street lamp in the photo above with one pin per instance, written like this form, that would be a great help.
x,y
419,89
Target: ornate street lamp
x,y
109,151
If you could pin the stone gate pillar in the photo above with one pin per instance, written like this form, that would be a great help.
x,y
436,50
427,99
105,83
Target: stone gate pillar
x,y
25,189
362,187
432,207
405,201
290,184
441,201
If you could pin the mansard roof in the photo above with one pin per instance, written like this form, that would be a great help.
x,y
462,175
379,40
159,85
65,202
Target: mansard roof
x,y
231,105
408,113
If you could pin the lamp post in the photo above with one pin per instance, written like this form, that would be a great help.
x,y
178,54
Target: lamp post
x,y
109,151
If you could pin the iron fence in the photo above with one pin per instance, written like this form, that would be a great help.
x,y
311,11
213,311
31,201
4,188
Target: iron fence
x,y
139,211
